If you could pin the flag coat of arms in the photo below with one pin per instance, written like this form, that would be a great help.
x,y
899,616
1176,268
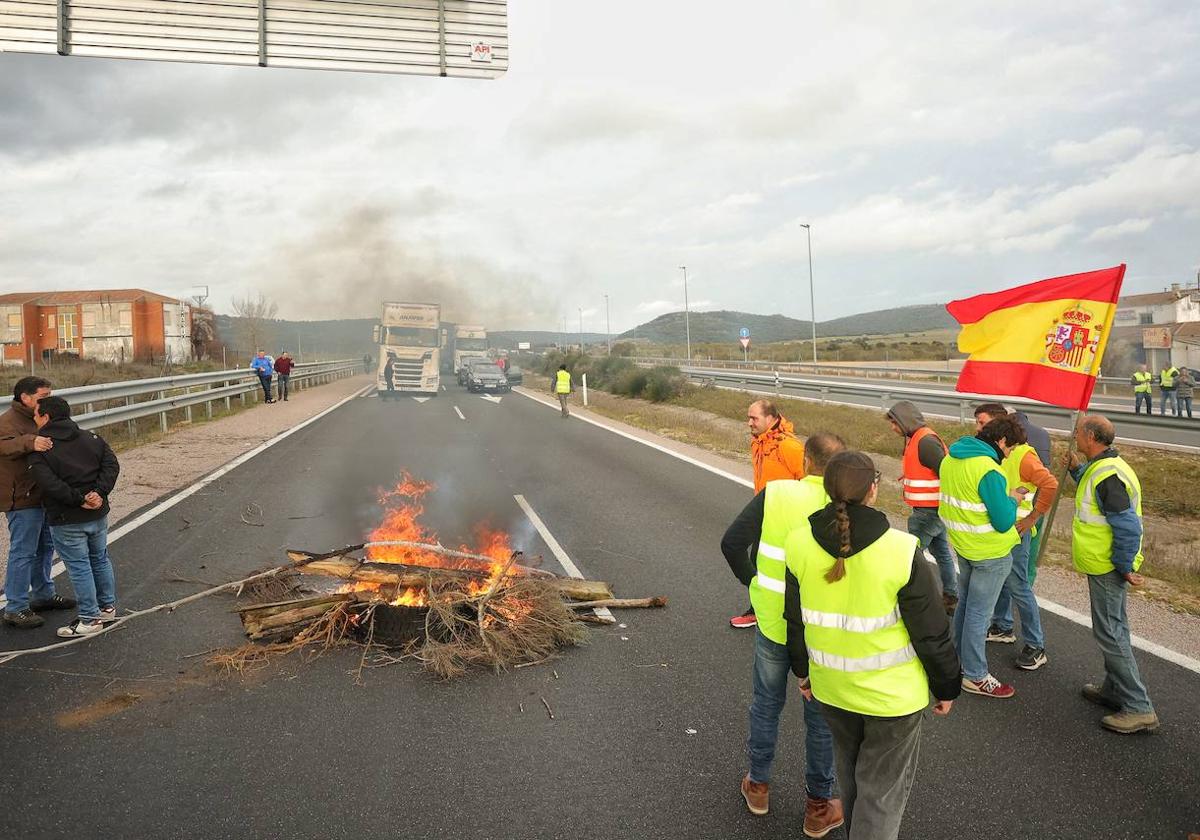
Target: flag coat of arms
x,y
1043,340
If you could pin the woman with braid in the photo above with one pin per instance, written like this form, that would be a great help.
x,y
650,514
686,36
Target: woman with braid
x,y
869,638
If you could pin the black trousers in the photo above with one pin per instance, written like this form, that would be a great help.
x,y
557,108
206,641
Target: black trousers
x,y
265,381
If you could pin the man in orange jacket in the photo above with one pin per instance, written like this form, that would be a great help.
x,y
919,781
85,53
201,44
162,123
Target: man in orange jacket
x,y
776,453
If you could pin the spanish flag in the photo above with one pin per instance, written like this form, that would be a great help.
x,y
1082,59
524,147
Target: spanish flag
x,y
1043,340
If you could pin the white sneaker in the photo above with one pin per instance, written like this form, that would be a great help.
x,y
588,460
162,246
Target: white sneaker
x,y
79,627
108,614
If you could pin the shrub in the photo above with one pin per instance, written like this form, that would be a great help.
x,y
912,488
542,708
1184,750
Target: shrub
x,y
664,383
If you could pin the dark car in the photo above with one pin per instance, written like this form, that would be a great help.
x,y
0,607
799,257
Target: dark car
x,y
515,375
486,376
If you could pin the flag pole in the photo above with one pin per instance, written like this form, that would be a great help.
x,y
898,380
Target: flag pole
x,y
1075,418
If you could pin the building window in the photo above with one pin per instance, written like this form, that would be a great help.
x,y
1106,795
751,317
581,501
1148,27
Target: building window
x,y
67,334
89,318
1145,317
14,320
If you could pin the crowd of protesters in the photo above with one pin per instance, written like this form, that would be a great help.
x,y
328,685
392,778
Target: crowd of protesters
x,y
871,629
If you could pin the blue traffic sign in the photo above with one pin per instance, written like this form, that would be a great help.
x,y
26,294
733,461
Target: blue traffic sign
x,y
744,332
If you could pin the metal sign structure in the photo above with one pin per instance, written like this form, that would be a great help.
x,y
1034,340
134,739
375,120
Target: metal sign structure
x,y
460,38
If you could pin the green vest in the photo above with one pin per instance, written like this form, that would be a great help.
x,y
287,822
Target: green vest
x,y
787,504
1142,380
964,513
1011,467
1166,378
860,654
562,382
1091,535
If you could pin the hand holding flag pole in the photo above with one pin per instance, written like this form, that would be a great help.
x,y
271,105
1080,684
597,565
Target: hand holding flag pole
x,y
1043,341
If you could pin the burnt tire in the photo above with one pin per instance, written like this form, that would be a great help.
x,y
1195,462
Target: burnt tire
x,y
398,626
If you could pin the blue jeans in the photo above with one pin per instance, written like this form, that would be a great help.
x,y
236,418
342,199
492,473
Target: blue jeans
x,y
1185,404
84,551
284,378
30,555
1138,397
772,671
1110,627
1018,589
924,524
979,586
1168,397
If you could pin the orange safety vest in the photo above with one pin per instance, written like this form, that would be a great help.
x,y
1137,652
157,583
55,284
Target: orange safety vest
x,y
921,485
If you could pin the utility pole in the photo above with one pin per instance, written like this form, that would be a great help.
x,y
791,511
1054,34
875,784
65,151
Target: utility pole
x,y
608,325
581,329
687,319
812,305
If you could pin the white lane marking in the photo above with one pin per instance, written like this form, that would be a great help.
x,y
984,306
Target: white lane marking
x,y
693,461
443,387
557,550
1154,648
459,413
422,399
490,398
165,505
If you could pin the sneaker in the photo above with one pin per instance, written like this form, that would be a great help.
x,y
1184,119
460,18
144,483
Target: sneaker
x,y
989,686
79,627
756,794
54,602
1031,658
822,816
950,602
1095,694
746,619
108,615
995,634
1127,723
25,619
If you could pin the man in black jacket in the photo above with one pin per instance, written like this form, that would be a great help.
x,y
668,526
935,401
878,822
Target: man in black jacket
x,y
76,477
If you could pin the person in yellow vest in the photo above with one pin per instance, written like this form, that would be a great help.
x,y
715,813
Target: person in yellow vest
x,y
1142,380
979,514
1106,545
923,454
1166,387
870,640
563,388
1035,488
766,521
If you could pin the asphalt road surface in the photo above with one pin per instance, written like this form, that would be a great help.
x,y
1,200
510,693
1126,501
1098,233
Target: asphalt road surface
x,y
1181,434
130,735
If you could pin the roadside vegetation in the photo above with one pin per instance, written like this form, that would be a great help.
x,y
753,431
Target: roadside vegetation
x,y
66,371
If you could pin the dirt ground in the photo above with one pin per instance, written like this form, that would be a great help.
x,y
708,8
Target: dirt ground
x,y
188,453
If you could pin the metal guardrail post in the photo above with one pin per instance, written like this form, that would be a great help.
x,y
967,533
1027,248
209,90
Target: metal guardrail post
x,y
162,417
962,411
131,426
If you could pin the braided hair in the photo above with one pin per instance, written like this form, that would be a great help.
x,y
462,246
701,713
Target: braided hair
x,y
849,477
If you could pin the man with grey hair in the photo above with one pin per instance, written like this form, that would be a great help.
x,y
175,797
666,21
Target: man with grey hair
x,y
1106,545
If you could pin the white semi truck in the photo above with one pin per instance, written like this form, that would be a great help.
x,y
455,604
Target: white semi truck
x,y
470,342
408,336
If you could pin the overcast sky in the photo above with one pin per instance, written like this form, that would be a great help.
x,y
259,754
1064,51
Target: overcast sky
x,y
937,149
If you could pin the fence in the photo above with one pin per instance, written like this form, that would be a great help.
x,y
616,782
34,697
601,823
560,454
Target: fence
x,y
125,402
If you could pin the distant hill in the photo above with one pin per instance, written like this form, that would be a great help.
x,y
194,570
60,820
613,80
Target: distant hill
x,y
724,325
508,339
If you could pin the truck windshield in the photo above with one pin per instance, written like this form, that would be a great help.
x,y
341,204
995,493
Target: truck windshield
x,y
471,343
411,337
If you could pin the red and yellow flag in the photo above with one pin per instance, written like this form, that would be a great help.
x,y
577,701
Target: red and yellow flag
x,y
1043,340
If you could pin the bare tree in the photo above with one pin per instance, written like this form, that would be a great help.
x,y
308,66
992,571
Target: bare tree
x,y
254,315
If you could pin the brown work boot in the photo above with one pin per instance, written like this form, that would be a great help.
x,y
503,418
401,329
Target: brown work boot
x,y
822,816
1095,694
756,794
1127,723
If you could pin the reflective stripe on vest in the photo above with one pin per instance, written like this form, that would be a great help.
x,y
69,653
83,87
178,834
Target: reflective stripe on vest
x,y
562,382
1011,466
968,525
1142,380
921,485
1091,535
787,505
1166,378
862,658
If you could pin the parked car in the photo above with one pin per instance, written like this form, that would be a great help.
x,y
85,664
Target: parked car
x,y
515,375
486,376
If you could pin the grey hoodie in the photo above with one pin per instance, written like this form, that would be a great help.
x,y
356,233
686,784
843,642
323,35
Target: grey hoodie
x,y
909,418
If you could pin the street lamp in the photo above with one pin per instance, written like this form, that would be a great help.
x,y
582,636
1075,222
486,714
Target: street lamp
x,y
581,329
812,305
607,325
687,318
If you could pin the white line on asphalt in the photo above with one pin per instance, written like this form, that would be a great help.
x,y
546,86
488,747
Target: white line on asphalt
x,y
557,550
459,413
126,527
1180,659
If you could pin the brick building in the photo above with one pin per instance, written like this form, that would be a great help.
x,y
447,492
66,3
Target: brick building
x,y
114,325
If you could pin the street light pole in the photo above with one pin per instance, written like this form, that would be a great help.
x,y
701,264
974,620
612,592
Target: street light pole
x,y
687,316
608,325
812,305
581,329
